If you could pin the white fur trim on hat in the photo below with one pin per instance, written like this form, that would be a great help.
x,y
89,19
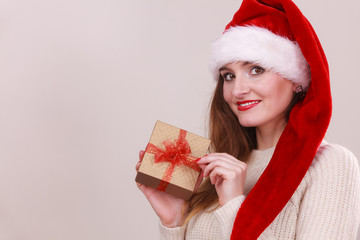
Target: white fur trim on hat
x,y
261,46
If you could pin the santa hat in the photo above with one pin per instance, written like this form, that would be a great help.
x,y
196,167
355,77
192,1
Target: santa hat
x,y
275,34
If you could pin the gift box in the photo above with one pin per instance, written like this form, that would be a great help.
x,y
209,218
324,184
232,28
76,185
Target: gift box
x,y
169,162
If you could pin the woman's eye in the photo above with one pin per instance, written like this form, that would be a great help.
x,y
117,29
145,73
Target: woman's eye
x,y
256,70
228,76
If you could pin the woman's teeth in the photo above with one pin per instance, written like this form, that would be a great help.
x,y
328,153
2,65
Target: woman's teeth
x,y
248,103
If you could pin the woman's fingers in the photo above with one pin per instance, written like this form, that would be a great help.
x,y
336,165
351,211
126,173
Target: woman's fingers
x,y
226,173
141,155
220,174
223,173
220,156
209,162
140,186
137,166
211,166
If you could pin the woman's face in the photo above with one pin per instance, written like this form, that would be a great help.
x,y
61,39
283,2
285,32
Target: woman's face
x,y
258,97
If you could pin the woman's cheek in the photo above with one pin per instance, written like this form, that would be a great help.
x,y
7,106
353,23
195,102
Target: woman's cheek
x,y
227,94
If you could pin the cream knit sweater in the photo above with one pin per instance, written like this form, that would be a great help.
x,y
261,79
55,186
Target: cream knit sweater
x,y
326,205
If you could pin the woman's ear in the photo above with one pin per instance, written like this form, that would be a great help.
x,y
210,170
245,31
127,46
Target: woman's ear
x,y
298,88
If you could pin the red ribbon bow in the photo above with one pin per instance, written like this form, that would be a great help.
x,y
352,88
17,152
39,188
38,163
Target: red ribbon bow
x,y
177,153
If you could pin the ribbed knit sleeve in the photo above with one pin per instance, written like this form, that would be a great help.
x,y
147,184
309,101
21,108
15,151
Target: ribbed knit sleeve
x,y
177,233
226,215
330,208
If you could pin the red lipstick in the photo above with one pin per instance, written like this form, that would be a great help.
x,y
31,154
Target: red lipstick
x,y
246,105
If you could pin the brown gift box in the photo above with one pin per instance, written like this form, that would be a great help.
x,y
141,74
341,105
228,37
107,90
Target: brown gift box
x,y
181,180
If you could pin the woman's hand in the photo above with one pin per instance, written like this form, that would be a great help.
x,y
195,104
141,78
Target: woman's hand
x,y
226,173
169,208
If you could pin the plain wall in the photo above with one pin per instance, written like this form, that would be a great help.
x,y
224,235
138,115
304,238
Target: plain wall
x,y
82,83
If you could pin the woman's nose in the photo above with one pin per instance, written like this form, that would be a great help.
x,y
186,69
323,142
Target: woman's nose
x,y
240,87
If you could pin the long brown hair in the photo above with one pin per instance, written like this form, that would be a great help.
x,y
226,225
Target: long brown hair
x,y
228,136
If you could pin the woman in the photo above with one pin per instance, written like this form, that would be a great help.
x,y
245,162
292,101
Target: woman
x,y
270,174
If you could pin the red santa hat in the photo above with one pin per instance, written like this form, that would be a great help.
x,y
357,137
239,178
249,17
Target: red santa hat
x,y
275,34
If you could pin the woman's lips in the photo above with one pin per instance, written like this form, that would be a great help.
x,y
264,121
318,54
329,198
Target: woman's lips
x,y
246,105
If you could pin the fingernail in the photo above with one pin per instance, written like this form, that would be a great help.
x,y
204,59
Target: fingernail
x,y
197,160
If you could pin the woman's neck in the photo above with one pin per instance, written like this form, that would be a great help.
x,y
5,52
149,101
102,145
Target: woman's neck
x,y
267,136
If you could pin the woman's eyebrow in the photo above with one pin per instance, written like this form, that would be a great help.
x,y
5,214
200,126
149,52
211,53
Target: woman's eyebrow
x,y
243,65
223,68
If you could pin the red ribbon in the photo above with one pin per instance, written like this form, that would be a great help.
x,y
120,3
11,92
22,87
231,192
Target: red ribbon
x,y
177,153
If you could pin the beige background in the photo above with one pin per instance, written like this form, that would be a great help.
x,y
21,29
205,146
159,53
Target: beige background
x,y
82,83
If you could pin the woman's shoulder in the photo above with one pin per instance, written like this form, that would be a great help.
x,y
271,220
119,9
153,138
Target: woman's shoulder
x,y
334,158
335,169
335,151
